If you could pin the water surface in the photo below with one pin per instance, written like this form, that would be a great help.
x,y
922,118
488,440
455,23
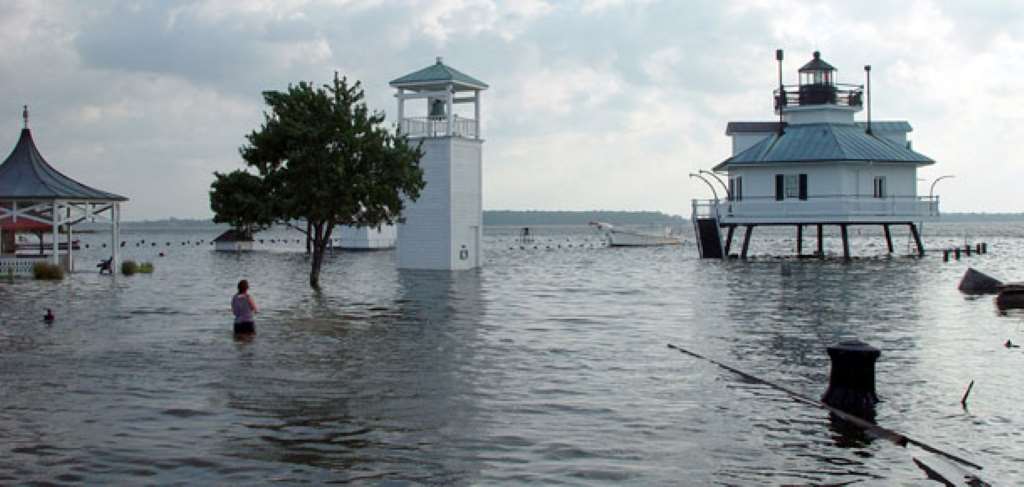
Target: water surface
x,y
548,366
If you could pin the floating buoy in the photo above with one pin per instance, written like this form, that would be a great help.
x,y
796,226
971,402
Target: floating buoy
x,y
161,254
48,317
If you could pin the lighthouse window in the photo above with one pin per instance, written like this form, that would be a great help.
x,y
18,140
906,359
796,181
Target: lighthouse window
x,y
736,188
879,187
792,186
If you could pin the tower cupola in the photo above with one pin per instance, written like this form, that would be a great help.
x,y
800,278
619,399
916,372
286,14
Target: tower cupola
x,y
443,88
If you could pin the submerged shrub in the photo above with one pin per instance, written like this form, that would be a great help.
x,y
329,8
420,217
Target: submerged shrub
x,y
46,270
129,267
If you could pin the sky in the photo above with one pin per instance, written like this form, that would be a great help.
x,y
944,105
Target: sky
x,y
593,104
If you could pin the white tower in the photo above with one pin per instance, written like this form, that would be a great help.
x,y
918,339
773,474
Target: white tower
x,y
443,229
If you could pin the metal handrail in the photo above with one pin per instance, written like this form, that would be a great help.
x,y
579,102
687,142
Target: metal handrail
x,y
818,94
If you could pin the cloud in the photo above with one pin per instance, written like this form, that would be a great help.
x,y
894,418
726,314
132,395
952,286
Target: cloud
x,y
596,103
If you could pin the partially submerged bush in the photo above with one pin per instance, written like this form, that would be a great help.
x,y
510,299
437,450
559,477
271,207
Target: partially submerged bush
x,y
129,267
145,268
46,270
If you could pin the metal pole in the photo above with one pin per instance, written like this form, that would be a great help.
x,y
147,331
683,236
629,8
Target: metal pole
x,y
931,190
713,192
782,90
867,70
115,257
728,194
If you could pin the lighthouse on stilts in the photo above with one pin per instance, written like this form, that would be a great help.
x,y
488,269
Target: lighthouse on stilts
x,y
815,167
443,228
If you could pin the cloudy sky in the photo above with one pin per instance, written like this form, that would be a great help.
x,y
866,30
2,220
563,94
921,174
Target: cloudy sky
x,y
594,104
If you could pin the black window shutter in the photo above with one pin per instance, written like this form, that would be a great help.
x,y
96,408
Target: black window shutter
x,y
803,186
739,188
780,187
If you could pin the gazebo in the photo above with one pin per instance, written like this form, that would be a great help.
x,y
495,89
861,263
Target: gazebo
x,y
35,196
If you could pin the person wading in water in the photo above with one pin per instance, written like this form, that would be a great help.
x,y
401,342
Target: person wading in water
x,y
244,307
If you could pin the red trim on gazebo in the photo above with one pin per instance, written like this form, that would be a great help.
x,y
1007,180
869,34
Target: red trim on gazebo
x,y
24,225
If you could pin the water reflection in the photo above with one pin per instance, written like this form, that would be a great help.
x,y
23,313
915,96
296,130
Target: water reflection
x,y
366,390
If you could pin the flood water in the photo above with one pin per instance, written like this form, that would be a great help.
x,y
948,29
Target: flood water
x,y
548,366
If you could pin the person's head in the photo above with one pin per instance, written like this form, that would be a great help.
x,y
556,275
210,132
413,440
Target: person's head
x,y
243,286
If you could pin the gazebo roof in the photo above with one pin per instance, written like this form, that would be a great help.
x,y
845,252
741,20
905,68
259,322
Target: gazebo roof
x,y
25,175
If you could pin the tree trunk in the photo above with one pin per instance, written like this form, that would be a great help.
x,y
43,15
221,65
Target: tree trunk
x,y
309,227
321,234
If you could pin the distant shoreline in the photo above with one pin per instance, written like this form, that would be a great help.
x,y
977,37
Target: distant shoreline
x,y
542,217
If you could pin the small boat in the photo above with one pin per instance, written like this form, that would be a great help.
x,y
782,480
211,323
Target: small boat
x,y
625,238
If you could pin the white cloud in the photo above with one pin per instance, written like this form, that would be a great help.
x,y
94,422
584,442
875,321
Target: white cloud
x,y
593,104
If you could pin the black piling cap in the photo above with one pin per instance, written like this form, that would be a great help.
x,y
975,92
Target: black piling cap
x,y
49,316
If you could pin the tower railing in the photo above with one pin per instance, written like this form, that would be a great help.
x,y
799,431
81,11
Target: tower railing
x,y
837,94
438,127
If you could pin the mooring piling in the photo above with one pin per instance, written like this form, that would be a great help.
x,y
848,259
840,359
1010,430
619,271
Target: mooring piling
x,y
879,431
851,384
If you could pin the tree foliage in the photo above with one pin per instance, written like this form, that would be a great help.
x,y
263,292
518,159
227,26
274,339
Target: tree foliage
x,y
236,198
322,156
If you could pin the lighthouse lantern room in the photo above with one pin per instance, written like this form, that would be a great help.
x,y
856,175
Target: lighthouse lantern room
x,y
440,106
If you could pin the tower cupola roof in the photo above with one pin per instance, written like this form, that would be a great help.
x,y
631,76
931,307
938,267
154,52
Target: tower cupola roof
x,y
437,76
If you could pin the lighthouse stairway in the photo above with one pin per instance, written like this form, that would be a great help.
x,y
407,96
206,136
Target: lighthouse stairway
x,y
709,239
706,227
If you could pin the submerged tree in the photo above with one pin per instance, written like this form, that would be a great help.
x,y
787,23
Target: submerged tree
x,y
324,158
237,198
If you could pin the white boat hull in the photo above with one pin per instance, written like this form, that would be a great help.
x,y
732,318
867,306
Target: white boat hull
x,y
617,238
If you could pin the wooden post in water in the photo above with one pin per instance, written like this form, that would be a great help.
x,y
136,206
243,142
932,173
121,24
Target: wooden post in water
x,y
821,246
917,239
728,240
799,240
846,241
746,241
888,237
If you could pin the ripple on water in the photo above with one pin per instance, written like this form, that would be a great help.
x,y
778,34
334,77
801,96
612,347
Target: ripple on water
x,y
547,367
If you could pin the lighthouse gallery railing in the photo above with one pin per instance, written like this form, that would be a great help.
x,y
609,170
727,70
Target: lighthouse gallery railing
x,y
820,208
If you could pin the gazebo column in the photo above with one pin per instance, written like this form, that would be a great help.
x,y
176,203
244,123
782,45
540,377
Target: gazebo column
x,y
71,251
56,237
115,238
